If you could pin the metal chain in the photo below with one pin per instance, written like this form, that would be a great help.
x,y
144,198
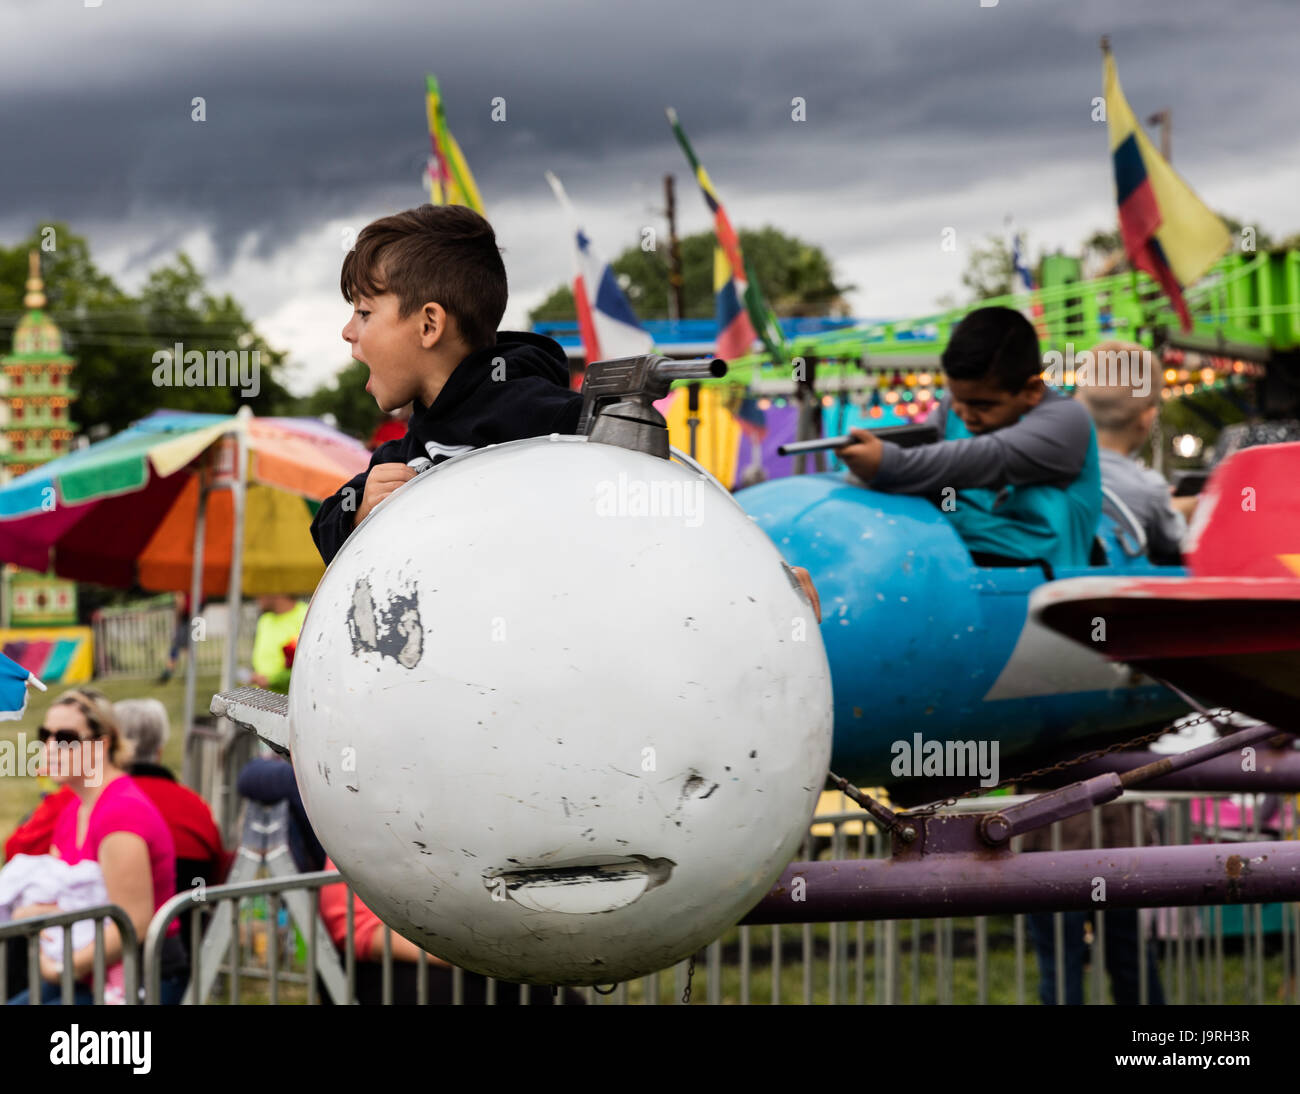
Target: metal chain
x,y
690,973
1028,776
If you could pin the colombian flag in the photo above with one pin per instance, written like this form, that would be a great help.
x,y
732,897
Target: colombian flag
x,y
1168,232
450,182
742,313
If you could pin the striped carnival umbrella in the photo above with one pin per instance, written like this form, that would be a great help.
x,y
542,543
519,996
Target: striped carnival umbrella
x,y
130,509
122,512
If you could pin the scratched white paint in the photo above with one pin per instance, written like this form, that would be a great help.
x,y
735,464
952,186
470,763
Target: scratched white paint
x,y
499,810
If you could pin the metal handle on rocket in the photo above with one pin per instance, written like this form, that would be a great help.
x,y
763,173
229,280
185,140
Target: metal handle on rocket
x,y
907,436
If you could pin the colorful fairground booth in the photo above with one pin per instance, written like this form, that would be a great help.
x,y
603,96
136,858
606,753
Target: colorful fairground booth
x,y
38,610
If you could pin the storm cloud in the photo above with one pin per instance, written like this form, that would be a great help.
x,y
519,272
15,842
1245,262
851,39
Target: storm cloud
x,y
919,116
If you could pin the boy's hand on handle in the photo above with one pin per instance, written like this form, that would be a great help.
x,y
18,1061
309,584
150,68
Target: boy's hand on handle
x,y
862,457
1186,506
383,479
806,583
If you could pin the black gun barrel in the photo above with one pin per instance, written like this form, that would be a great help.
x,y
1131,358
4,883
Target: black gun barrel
x,y
909,436
704,369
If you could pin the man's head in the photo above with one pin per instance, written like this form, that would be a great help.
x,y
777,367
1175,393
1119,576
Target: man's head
x,y
993,370
427,287
1125,411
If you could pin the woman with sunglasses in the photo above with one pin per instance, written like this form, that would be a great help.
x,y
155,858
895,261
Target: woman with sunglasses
x,y
111,821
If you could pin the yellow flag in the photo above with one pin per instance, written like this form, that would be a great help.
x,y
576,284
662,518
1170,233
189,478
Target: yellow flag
x,y
1154,201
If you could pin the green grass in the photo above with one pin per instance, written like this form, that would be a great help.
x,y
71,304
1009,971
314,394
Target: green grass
x,y
960,974
1000,986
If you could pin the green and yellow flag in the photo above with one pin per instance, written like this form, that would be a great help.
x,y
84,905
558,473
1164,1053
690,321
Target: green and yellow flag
x,y
450,182
743,314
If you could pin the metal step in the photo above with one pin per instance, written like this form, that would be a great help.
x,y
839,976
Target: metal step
x,y
266,713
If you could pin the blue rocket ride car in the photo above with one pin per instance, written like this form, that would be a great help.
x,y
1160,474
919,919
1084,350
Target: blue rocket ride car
x,y
922,641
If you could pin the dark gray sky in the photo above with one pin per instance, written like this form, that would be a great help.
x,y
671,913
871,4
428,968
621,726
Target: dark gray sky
x,y
921,115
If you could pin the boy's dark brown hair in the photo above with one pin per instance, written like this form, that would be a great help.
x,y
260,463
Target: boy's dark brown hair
x,y
997,343
442,253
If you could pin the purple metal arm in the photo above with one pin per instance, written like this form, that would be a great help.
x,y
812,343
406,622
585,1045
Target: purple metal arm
x,y
1167,765
996,828
989,882
1277,770
951,865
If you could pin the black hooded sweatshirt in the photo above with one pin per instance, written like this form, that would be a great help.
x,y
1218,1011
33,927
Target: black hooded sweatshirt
x,y
472,410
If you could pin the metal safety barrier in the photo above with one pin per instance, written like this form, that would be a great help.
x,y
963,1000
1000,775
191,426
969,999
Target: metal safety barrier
x,y
1214,955
220,949
952,961
214,756
223,942
135,640
29,930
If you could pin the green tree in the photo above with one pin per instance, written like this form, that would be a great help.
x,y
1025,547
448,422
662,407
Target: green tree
x,y
990,270
1263,241
796,278
177,307
114,335
345,397
1107,245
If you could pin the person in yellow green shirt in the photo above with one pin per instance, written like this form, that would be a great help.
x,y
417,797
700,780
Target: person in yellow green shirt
x,y
275,641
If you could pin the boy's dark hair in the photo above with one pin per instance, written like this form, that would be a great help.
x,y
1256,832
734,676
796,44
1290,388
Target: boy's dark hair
x,y
442,253
993,342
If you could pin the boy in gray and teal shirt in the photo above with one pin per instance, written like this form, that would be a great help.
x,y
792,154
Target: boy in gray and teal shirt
x,y
1017,471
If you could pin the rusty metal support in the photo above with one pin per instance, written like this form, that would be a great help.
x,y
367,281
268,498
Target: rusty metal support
x,y
1055,805
887,818
1167,765
1275,770
948,870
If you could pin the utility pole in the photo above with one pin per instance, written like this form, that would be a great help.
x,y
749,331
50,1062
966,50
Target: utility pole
x,y
676,287
1165,119
677,304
